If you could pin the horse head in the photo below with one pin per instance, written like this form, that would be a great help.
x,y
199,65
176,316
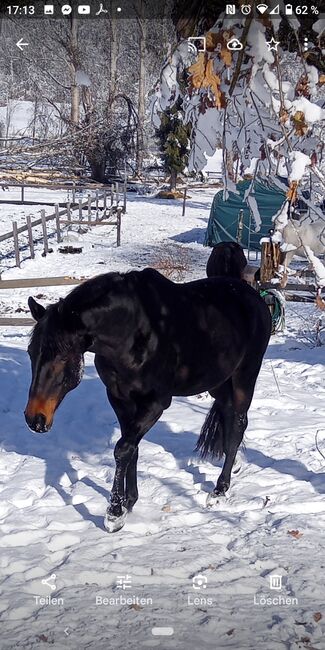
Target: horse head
x,y
56,350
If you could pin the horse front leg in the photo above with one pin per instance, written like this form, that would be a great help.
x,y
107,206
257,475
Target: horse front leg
x,y
131,487
117,509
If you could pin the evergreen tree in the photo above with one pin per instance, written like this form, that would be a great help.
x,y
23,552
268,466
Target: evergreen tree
x,y
173,138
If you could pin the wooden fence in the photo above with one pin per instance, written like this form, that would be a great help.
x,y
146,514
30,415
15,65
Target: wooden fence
x,y
110,208
29,283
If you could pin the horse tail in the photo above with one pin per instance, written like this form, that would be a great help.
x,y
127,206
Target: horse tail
x,y
211,439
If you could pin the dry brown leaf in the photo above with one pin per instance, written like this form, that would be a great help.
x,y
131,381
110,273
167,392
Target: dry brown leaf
x,y
317,616
226,56
321,80
167,508
197,71
211,41
295,533
300,125
204,76
292,191
320,303
136,607
284,116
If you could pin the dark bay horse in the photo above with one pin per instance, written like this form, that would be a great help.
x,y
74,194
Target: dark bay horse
x,y
152,339
227,259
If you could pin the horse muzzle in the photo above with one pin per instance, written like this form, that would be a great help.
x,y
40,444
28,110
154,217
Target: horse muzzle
x,y
37,423
39,416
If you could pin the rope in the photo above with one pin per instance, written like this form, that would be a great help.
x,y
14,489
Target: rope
x,y
278,303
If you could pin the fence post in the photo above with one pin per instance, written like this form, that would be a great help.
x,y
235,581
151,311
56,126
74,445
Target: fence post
x,y
69,211
112,194
97,200
105,200
22,192
16,243
89,208
80,209
184,201
124,194
118,224
46,244
117,192
73,192
57,221
30,236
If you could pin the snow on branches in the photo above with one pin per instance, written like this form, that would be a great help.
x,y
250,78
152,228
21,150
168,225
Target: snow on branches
x,y
260,104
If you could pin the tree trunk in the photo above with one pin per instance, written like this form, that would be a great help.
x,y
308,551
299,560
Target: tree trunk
x,y
113,56
75,91
98,169
142,89
173,180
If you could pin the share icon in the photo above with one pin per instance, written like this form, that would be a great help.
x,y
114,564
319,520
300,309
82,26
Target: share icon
x,y
50,581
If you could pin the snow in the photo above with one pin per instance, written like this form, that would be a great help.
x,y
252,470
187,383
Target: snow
x,y
318,266
17,118
312,112
299,161
214,163
55,488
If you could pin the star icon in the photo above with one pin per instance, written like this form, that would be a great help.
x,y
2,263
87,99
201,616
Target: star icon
x,y
272,44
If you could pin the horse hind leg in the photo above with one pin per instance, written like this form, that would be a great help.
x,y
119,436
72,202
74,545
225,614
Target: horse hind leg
x,y
243,385
224,428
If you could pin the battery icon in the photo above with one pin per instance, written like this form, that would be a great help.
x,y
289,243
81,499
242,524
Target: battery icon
x,y
288,10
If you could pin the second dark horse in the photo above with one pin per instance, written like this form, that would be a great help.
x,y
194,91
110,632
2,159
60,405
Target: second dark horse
x,y
152,339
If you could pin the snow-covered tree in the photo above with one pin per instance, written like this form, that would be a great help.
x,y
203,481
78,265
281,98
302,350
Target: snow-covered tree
x,y
261,102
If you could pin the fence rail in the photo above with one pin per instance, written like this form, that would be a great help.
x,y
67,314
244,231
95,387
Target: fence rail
x,y
25,283
90,204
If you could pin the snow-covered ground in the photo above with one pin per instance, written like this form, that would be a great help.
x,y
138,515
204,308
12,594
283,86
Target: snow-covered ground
x,y
55,487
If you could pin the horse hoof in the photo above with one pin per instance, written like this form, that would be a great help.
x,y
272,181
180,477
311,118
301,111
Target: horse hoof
x,y
213,499
113,523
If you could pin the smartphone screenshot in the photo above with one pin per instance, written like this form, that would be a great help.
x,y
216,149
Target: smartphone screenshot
x,y
162,332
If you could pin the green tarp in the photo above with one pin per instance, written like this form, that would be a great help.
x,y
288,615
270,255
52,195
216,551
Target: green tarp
x,y
223,221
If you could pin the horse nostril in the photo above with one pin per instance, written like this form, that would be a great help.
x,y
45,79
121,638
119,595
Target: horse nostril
x,y
37,423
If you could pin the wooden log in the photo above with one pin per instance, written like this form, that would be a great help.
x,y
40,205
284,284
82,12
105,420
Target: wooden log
x,y
270,260
22,283
30,236
16,322
57,222
46,243
16,242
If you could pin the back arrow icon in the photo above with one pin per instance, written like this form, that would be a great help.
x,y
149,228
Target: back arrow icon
x,y
21,44
66,631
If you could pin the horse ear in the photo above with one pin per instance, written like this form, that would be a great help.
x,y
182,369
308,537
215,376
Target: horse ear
x,y
36,309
